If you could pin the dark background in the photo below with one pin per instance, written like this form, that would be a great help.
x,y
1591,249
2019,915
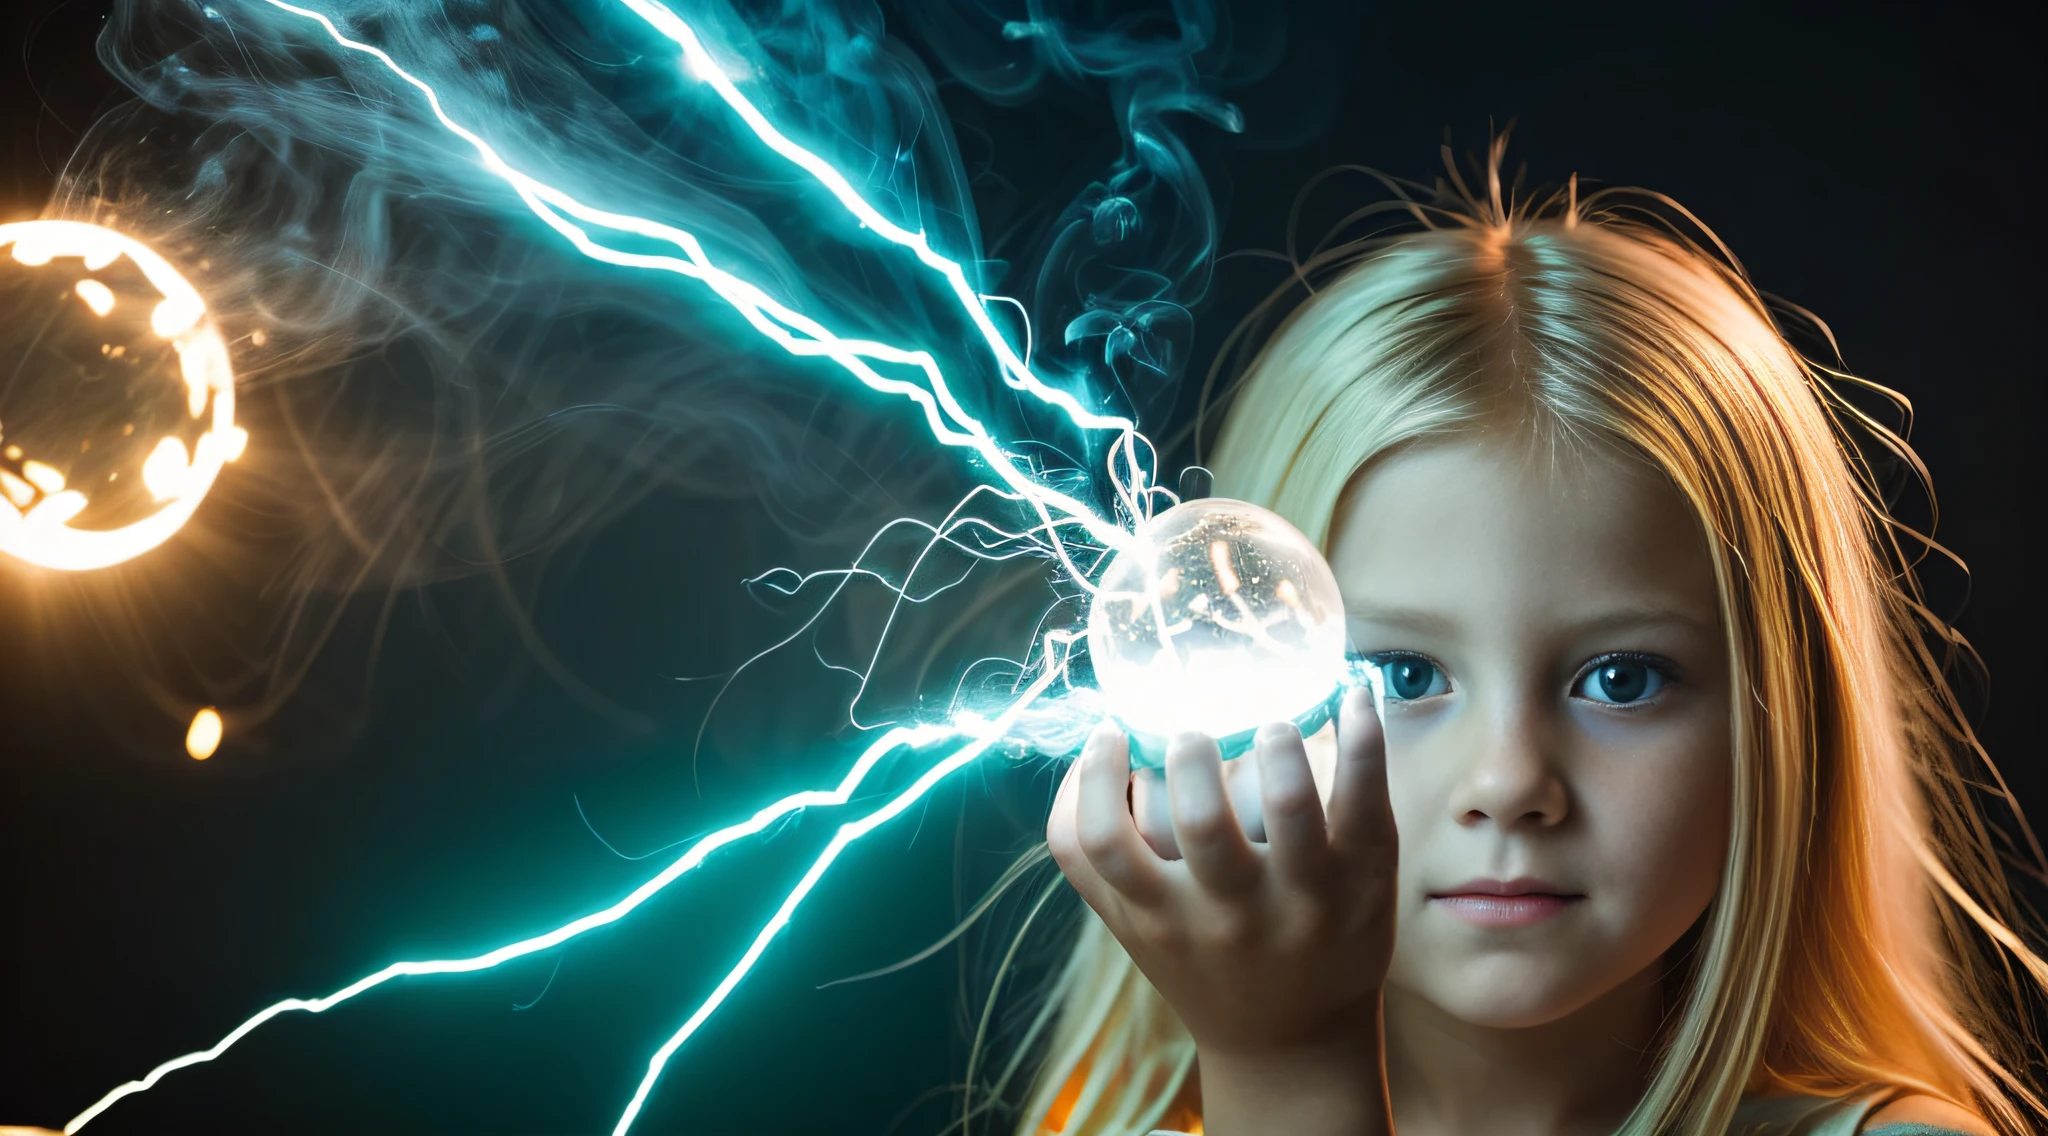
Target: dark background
x,y
1878,164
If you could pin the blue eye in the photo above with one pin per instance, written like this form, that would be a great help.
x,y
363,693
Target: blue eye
x,y
1406,677
1619,681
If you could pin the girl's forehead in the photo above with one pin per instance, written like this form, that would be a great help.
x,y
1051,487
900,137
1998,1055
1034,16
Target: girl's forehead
x,y
1464,520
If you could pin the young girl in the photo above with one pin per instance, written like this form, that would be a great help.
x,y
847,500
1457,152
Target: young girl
x,y
1662,826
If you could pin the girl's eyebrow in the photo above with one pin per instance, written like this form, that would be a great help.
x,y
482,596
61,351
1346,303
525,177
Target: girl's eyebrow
x,y
1413,619
1425,622
1623,619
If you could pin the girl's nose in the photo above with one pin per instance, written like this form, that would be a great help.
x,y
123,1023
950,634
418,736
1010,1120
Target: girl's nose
x,y
1510,777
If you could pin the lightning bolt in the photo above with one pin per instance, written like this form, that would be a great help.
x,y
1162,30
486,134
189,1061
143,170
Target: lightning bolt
x,y
949,422
903,737
950,425
699,64
847,834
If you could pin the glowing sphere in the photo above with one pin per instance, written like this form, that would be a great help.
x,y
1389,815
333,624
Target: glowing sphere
x,y
1220,617
118,407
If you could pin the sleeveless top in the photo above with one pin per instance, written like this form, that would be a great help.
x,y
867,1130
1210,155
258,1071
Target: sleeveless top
x,y
1781,1116
1822,1116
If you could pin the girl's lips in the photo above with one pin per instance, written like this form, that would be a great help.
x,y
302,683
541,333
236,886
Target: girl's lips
x,y
1504,910
1505,903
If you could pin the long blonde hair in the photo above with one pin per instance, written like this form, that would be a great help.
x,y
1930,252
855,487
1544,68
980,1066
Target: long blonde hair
x,y
1864,933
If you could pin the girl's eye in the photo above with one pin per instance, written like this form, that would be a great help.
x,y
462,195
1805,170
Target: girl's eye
x,y
1406,677
1620,681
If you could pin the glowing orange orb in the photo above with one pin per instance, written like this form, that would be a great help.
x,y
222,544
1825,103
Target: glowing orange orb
x,y
117,405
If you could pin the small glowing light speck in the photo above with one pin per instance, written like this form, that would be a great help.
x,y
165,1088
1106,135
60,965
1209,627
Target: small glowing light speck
x,y
96,295
204,735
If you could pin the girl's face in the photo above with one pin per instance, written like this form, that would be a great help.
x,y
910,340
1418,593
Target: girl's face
x,y
1556,709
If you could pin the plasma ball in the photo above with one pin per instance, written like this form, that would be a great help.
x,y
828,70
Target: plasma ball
x,y
120,410
1219,617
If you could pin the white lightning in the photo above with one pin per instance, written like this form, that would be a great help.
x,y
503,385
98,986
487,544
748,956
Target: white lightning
x,y
903,737
699,64
847,834
950,425
949,422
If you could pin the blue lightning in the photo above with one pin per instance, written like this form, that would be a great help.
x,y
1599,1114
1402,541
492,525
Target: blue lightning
x,y
699,64
949,423
902,737
943,533
847,834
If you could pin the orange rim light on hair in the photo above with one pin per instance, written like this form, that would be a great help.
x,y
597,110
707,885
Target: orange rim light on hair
x,y
36,514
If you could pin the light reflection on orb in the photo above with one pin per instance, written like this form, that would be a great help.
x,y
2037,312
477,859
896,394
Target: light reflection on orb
x,y
118,409
1219,617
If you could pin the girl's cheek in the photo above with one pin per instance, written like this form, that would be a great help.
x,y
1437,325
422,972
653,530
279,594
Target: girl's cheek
x,y
1419,763
1667,805
1418,789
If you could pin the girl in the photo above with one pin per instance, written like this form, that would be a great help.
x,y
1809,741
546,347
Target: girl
x,y
1662,826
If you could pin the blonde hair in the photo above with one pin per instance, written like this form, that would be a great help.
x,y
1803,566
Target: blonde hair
x,y
1863,933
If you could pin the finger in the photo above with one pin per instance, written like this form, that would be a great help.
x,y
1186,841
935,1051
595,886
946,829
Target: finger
x,y
1063,827
1287,796
1360,817
1104,829
1063,838
1217,854
1154,813
1241,783
1062,833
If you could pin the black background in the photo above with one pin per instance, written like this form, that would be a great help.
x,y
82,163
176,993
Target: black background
x,y
1878,164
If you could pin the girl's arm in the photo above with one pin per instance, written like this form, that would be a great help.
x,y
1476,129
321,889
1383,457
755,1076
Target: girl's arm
x,y
1325,1089
1274,954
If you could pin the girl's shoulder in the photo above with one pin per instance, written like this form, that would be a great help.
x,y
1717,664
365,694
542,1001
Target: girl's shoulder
x,y
1884,1113
1924,1116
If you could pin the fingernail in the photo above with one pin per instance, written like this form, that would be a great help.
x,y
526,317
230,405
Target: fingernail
x,y
1187,741
1277,732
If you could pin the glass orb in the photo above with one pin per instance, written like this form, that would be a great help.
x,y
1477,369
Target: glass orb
x,y
118,407
1220,617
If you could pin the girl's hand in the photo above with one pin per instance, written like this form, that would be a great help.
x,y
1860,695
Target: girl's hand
x,y
1267,952
1152,806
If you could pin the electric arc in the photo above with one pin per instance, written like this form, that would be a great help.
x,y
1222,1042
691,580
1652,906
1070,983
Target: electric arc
x,y
1261,589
